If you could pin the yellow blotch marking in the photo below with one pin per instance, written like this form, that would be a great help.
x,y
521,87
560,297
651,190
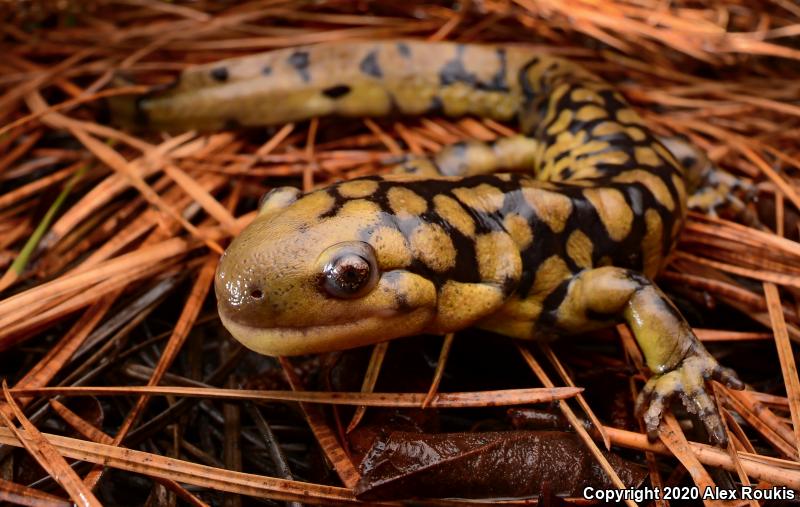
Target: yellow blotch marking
x,y
484,197
552,208
614,212
646,156
483,65
431,244
454,214
607,128
532,120
515,318
455,98
413,100
390,248
590,147
561,123
654,184
608,157
628,116
315,204
651,244
452,312
586,95
497,257
366,98
405,202
635,133
565,141
357,189
552,271
519,229
360,209
591,112
554,170
579,249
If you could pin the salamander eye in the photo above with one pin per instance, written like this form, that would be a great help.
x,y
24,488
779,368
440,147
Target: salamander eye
x,y
350,272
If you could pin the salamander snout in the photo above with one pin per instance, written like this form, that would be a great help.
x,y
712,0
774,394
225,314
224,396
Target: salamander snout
x,y
240,295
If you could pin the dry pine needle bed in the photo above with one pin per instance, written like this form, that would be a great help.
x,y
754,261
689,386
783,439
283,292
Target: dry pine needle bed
x,y
123,387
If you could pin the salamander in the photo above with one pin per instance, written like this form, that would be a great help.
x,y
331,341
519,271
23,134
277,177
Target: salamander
x,y
555,231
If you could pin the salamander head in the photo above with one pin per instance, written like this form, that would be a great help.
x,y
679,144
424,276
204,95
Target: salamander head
x,y
319,272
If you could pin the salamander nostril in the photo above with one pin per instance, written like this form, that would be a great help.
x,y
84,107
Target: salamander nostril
x,y
256,294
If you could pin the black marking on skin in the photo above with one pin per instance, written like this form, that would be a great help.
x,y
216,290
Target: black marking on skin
x,y
404,50
454,70
612,102
464,269
524,82
509,285
334,92
300,61
595,316
266,71
437,106
637,279
549,316
498,82
401,300
219,74
550,76
369,65
338,202
545,244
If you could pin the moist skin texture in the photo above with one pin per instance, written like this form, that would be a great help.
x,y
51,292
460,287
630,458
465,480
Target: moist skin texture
x,y
555,231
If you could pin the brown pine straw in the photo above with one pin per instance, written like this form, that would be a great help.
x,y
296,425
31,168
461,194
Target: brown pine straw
x,y
720,73
44,453
499,398
21,495
190,473
370,379
326,438
562,372
91,433
444,354
786,356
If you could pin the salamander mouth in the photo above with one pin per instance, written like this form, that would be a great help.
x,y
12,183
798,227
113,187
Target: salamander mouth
x,y
292,341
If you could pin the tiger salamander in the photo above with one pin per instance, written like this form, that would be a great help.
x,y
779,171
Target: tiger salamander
x,y
555,231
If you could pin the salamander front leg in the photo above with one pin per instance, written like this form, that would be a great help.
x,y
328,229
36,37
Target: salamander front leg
x,y
680,363
470,158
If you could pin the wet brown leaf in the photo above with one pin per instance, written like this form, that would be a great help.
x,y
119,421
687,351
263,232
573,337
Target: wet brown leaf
x,y
512,464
